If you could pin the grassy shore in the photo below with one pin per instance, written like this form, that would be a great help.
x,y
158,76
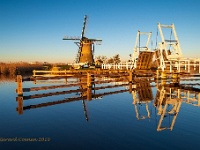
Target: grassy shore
x,y
18,68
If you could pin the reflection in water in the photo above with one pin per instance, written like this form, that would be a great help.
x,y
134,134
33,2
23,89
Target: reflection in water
x,y
142,94
6,78
85,110
167,101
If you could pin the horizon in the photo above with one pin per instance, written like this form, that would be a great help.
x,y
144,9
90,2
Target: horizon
x,y
33,30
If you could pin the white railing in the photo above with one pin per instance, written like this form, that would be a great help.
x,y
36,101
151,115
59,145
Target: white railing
x,y
120,66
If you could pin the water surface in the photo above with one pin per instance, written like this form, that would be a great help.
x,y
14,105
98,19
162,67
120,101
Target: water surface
x,y
127,120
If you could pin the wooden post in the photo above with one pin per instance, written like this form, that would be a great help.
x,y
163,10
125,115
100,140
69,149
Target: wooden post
x,y
185,65
33,72
194,65
89,93
188,66
175,75
130,88
19,85
89,80
163,75
20,104
163,82
179,93
130,76
157,74
34,81
170,66
179,66
199,66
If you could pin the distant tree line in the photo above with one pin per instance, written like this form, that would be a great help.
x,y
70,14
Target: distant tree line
x,y
112,60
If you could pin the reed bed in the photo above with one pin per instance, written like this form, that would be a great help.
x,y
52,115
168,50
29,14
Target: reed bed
x,y
18,68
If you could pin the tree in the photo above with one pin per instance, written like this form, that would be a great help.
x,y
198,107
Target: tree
x,y
116,59
110,61
101,59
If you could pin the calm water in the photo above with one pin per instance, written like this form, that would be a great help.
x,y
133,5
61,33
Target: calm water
x,y
128,120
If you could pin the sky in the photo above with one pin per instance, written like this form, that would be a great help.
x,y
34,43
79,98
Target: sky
x,y
32,30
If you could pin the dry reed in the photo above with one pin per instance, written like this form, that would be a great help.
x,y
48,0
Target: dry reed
x,y
18,68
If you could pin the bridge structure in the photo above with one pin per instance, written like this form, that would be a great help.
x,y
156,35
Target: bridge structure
x,y
167,56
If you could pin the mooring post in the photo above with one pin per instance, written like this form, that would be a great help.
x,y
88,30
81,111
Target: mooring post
x,y
199,99
20,104
19,85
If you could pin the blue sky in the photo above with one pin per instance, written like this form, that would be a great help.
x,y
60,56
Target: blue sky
x,y
32,30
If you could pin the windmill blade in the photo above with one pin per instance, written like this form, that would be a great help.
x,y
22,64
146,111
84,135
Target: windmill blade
x,y
93,48
71,38
95,40
81,39
84,24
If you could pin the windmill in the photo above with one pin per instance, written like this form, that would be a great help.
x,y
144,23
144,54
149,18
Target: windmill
x,y
85,45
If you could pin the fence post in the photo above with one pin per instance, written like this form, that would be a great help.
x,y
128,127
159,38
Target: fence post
x,y
20,104
19,85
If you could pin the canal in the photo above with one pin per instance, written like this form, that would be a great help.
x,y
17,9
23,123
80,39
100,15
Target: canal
x,y
152,115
